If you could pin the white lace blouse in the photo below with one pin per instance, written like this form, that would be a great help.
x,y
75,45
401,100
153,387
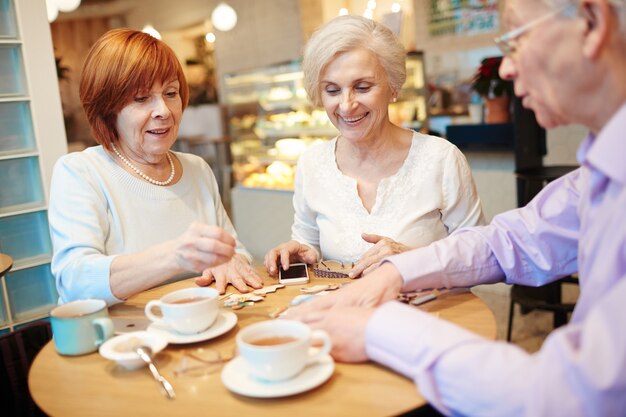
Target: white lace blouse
x,y
431,195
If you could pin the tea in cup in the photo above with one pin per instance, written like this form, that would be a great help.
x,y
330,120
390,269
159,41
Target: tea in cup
x,y
80,326
277,350
187,311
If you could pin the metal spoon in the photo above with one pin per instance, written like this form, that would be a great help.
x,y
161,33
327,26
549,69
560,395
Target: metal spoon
x,y
145,353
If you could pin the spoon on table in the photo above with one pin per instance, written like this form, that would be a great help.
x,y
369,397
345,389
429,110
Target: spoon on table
x,y
145,353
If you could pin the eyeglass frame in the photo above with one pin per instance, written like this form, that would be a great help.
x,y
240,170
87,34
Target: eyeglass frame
x,y
503,42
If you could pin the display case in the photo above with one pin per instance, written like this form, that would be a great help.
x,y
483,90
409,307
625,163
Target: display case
x,y
271,122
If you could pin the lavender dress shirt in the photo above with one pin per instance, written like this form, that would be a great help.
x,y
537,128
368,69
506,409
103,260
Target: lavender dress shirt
x,y
577,223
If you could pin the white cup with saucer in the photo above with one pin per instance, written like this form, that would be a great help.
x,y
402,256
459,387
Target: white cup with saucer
x,y
187,311
277,350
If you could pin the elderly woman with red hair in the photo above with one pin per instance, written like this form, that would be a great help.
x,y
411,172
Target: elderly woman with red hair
x,y
131,214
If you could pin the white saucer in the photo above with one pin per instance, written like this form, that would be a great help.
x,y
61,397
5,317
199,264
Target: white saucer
x,y
225,321
236,378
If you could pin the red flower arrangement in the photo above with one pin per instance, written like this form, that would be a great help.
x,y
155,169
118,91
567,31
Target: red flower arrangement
x,y
487,81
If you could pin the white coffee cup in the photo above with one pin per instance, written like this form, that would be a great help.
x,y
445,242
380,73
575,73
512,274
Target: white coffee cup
x,y
277,350
187,311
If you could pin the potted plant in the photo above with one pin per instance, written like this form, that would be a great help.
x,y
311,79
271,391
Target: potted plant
x,y
495,91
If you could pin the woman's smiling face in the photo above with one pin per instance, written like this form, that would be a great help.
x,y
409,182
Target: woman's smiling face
x,y
148,125
356,94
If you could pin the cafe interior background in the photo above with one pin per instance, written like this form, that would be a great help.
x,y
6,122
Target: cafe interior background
x,y
248,117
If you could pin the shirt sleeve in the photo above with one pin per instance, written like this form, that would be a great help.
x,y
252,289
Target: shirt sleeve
x,y
78,226
461,202
577,372
533,245
304,229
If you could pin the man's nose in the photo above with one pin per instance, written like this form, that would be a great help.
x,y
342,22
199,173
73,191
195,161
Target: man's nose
x,y
507,69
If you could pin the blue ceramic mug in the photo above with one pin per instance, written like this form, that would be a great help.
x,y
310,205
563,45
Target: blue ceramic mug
x,y
81,326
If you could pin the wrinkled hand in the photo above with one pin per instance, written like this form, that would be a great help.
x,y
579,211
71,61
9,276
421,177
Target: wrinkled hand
x,y
237,272
202,246
383,247
380,286
288,253
346,328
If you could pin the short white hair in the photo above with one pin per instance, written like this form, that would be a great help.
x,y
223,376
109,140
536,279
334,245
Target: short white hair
x,y
619,7
347,33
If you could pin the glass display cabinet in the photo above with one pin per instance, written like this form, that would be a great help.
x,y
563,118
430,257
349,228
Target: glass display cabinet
x,y
30,108
271,121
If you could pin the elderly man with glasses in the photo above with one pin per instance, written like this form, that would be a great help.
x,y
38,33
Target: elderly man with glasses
x,y
568,62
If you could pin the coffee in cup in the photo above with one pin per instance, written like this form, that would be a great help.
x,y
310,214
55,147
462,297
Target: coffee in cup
x,y
80,326
187,311
277,350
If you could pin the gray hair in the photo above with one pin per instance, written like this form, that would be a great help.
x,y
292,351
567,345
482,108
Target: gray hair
x,y
346,33
619,7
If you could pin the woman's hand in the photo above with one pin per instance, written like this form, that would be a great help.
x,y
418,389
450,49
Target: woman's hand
x,y
237,272
289,252
383,247
203,246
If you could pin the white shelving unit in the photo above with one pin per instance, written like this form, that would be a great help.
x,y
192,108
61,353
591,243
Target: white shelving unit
x,y
32,138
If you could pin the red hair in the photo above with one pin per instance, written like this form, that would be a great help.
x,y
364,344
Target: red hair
x,y
120,64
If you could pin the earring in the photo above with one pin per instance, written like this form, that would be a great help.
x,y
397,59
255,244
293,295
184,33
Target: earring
x,y
394,99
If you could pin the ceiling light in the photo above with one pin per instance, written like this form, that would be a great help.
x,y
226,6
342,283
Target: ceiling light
x,y
224,17
369,13
343,11
150,30
210,37
67,5
52,9
395,7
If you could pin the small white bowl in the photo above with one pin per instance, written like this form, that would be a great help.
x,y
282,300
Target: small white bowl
x,y
119,348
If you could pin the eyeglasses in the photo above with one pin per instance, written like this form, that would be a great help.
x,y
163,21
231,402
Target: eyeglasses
x,y
506,42
201,362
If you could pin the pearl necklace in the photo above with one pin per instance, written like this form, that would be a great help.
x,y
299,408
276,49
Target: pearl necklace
x,y
144,176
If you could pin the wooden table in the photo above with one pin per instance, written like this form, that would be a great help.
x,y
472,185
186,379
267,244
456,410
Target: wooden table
x,y
6,263
91,385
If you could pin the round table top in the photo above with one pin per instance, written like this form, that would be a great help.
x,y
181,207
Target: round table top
x,y
90,384
6,263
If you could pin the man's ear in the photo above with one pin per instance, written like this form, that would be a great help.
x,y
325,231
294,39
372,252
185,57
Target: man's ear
x,y
599,19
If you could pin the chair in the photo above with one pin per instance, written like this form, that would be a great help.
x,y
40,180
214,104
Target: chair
x,y
547,297
18,350
544,298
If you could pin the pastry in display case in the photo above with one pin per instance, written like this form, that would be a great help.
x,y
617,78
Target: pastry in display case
x,y
271,121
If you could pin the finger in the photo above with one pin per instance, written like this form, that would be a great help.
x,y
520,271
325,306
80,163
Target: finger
x,y
284,258
360,266
221,281
371,268
312,317
309,256
217,233
238,282
371,238
270,262
253,279
206,278
215,247
316,304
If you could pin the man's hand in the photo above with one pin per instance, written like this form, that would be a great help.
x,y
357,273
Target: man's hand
x,y
380,286
237,272
346,328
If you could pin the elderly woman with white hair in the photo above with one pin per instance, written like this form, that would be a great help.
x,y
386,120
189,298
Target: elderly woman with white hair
x,y
377,189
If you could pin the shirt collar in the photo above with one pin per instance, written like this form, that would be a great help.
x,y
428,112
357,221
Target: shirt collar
x,y
606,151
